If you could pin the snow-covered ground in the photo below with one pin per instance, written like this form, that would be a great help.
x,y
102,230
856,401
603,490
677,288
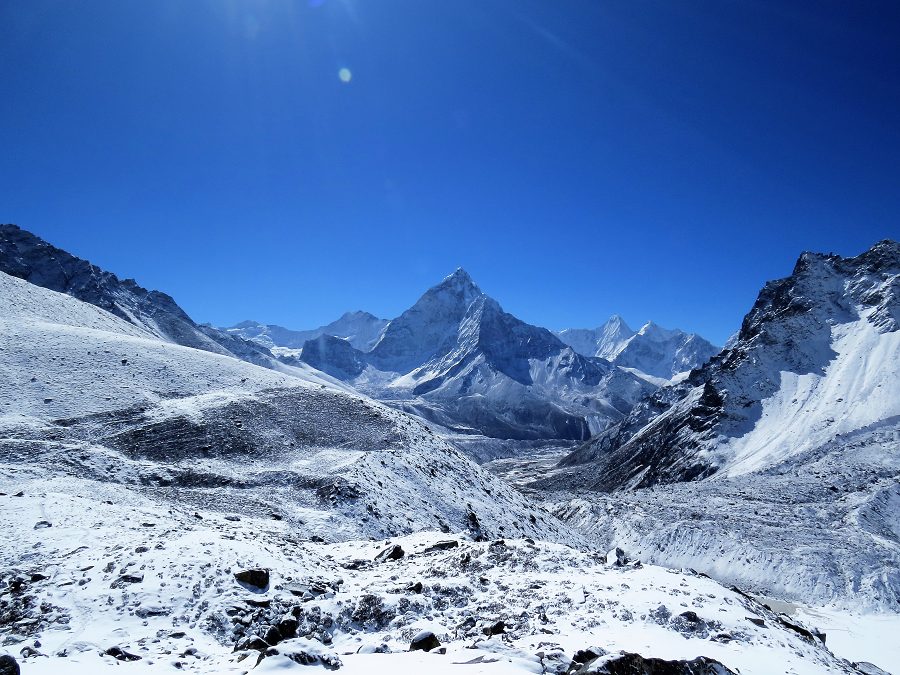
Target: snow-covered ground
x,y
92,569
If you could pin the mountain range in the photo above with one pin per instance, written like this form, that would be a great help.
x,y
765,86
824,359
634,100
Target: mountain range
x,y
361,329
653,350
149,466
458,360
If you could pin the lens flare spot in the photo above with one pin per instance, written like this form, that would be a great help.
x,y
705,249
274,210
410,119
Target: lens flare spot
x,y
344,74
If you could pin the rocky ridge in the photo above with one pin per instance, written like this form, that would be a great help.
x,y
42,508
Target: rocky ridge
x,y
32,259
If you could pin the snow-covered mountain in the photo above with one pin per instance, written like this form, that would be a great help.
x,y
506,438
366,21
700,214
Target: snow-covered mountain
x,y
361,329
653,350
456,358
29,257
817,357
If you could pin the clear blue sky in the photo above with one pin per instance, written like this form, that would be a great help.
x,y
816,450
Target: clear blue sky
x,y
660,160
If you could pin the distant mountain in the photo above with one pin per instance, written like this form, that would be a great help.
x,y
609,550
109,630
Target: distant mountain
x,y
455,357
817,358
29,257
652,350
605,341
361,329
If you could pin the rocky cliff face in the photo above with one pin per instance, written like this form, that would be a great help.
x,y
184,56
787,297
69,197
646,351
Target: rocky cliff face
x,y
29,257
818,356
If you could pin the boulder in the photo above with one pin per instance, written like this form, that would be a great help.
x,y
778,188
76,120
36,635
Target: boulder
x,y
287,626
495,629
442,545
127,580
424,641
635,664
251,642
8,665
310,653
255,578
121,655
588,655
270,634
393,552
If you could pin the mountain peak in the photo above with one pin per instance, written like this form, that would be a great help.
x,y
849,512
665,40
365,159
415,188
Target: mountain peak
x,y
653,330
459,284
249,323
617,322
460,276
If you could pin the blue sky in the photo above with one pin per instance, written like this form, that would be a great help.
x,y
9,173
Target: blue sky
x,y
658,160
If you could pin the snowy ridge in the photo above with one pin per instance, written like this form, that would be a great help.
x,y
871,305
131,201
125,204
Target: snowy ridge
x,y
653,351
66,358
361,329
29,257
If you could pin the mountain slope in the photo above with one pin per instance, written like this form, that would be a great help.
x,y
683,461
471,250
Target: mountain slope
x,y
652,350
86,394
456,358
361,329
29,257
817,357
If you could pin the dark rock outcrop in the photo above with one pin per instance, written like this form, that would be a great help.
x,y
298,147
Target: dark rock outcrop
x,y
334,356
424,641
8,665
255,577
393,552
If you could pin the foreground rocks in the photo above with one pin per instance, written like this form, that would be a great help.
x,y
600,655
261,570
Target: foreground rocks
x,y
635,664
